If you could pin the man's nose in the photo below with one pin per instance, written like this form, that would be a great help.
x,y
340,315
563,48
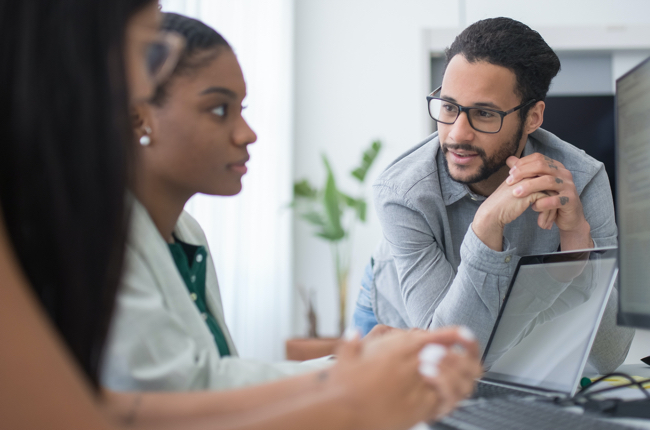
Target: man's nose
x,y
461,130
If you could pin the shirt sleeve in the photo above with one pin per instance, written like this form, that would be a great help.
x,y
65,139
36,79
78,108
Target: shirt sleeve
x,y
433,293
598,207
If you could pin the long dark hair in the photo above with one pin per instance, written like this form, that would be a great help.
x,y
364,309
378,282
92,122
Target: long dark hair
x,y
64,134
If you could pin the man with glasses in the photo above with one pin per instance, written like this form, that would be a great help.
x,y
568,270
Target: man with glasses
x,y
459,209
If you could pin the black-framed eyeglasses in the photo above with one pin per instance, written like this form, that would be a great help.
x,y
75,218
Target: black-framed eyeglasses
x,y
481,119
162,55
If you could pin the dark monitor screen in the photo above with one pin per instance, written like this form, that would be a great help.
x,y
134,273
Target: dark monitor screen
x,y
586,122
633,166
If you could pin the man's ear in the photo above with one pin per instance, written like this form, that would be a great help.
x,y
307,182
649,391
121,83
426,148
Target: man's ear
x,y
535,117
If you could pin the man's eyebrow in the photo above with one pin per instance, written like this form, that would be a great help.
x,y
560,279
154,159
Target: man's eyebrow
x,y
220,90
487,104
479,104
451,99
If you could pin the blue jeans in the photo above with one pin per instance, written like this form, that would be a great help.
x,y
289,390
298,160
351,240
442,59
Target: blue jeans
x,y
364,317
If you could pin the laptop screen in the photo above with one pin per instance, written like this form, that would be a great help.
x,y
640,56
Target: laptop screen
x,y
549,319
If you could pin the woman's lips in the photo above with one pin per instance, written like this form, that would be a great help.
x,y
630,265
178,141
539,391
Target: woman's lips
x,y
462,157
239,168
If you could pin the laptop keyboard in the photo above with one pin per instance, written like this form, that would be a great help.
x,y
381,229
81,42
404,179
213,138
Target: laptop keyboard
x,y
520,414
484,390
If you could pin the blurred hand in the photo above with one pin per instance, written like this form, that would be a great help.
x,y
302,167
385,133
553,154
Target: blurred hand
x,y
384,383
378,331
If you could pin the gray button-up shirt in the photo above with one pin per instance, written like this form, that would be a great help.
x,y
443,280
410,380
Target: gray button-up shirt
x,y
431,270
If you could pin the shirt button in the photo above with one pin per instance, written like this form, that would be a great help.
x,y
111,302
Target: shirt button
x,y
204,315
199,258
193,296
508,258
193,278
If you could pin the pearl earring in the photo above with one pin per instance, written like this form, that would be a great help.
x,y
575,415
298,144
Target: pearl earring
x,y
145,140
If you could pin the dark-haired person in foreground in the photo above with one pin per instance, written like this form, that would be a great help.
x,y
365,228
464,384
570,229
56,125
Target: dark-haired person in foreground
x,y
68,70
459,209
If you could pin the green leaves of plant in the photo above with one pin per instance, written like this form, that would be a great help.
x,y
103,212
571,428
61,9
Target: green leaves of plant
x,y
331,196
304,189
369,156
325,208
315,218
359,205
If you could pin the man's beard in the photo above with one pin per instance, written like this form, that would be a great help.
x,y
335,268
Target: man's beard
x,y
490,165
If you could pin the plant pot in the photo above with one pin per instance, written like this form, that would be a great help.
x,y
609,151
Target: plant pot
x,y
305,348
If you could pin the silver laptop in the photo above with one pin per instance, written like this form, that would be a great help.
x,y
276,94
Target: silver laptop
x,y
548,321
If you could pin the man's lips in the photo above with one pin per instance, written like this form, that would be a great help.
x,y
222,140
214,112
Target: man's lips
x,y
462,157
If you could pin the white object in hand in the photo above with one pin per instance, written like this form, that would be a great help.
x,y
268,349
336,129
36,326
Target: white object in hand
x,y
351,333
432,353
428,369
466,334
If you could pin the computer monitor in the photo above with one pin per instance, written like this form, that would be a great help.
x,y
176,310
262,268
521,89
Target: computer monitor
x,y
633,197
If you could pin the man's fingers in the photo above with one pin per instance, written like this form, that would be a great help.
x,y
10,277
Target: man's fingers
x,y
512,161
536,165
551,220
542,219
549,203
544,184
536,160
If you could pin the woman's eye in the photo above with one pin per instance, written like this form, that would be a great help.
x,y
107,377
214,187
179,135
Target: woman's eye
x,y
220,110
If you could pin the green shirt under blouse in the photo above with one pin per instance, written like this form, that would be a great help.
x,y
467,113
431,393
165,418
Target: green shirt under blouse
x,y
191,262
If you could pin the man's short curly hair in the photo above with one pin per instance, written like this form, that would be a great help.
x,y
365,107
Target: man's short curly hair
x,y
515,46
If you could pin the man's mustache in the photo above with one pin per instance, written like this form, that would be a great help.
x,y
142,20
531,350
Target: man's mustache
x,y
446,147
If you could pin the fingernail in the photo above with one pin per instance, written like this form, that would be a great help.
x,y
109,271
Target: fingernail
x,y
518,191
509,180
351,333
466,333
432,353
428,370
512,170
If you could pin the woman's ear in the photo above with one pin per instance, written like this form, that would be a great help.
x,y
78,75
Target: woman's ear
x,y
136,118
535,117
141,123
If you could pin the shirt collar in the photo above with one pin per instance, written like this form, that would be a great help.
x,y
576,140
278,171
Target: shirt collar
x,y
453,191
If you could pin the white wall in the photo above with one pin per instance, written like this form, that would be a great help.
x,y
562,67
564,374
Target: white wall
x,y
360,74
250,234
358,77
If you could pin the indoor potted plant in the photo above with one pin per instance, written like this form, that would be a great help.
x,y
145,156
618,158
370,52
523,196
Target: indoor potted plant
x,y
333,215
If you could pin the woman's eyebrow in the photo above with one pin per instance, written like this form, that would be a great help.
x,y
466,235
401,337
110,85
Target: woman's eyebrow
x,y
220,90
